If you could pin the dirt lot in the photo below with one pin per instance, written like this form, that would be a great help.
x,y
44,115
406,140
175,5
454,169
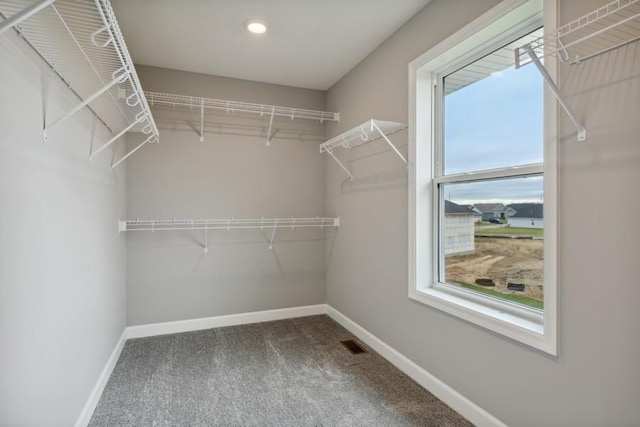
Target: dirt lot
x,y
502,260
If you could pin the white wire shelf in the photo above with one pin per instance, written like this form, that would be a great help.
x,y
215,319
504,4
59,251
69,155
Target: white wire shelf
x,y
369,131
227,224
82,43
609,27
202,105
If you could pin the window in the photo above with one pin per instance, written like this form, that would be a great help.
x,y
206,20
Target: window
x,y
483,179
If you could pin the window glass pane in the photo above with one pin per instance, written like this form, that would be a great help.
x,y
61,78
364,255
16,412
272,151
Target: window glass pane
x,y
492,236
493,113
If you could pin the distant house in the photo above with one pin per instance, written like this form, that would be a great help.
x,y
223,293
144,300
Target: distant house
x,y
458,228
493,210
527,215
509,211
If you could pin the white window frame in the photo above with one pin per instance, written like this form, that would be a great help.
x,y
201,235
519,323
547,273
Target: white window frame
x,y
536,328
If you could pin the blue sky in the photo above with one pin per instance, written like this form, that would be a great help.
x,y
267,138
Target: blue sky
x,y
492,123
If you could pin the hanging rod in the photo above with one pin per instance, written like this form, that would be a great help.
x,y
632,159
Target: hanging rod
x,y
271,111
82,43
231,223
368,131
599,31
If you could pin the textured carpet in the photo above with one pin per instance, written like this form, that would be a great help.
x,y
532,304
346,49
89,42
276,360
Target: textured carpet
x,y
289,372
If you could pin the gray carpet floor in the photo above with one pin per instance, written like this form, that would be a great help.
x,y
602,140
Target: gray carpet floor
x,y
290,372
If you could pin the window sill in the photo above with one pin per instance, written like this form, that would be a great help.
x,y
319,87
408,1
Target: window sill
x,y
522,324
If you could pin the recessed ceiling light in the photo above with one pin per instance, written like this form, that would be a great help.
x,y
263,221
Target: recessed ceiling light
x,y
256,27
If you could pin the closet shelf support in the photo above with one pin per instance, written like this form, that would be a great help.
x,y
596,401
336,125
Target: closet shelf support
x,y
141,117
117,79
273,111
330,152
582,132
201,120
24,14
82,44
393,147
368,131
152,138
273,235
611,26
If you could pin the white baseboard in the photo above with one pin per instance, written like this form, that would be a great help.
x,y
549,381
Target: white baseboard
x,y
96,393
442,391
220,321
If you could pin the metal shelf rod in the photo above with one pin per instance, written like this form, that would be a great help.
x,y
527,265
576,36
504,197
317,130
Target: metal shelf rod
x,y
116,137
582,132
24,14
330,152
116,79
149,140
393,147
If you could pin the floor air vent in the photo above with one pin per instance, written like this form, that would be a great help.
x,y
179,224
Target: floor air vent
x,y
353,346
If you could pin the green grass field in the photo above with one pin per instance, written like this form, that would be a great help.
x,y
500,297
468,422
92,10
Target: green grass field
x,y
511,231
510,297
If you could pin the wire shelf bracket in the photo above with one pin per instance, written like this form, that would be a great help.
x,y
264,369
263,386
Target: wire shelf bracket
x,y
23,14
368,131
227,224
207,104
582,132
82,44
604,29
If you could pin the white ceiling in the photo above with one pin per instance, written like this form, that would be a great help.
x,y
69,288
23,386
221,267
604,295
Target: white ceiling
x,y
310,43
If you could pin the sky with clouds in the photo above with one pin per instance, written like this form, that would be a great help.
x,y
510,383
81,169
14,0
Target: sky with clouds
x,y
492,123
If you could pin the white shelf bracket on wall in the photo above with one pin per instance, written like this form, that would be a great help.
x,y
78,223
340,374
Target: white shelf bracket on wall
x,y
227,224
83,45
273,235
201,120
582,132
150,140
344,168
119,76
206,240
368,131
609,27
142,115
270,126
23,14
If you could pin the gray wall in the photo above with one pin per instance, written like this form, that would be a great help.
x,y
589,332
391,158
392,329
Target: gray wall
x,y
231,174
62,262
593,381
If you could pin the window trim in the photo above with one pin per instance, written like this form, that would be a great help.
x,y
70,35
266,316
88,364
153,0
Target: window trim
x,y
526,325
